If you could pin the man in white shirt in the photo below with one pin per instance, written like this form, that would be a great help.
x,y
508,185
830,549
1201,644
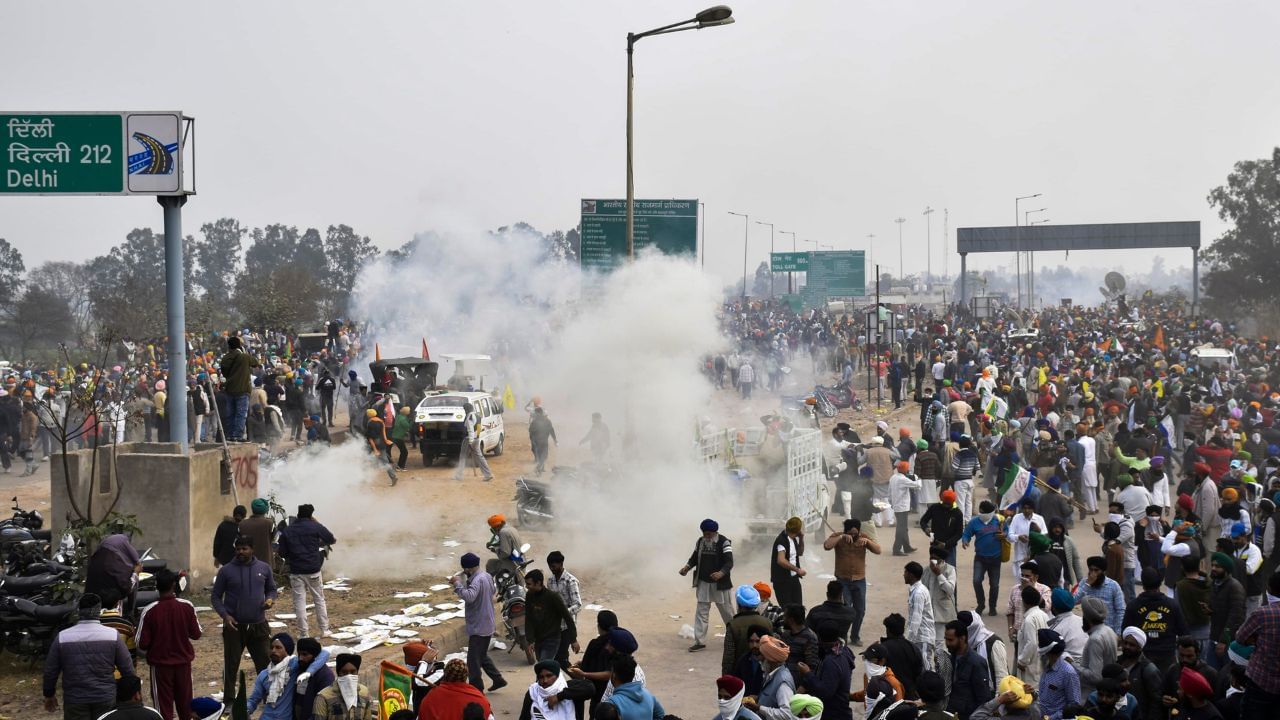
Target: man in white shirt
x,y
1089,473
1033,620
920,628
1019,534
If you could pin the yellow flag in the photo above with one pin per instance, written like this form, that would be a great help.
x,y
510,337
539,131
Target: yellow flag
x,y
509,398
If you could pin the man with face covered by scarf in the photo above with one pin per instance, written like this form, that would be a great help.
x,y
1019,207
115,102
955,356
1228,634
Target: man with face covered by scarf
x,y
347,698
553,695
729,692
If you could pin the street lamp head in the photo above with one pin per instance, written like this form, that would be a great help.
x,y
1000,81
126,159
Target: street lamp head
x,y
715,15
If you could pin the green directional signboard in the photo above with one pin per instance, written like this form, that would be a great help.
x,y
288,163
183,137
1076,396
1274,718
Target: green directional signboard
x,y
669,225
789,261
834,275
62,153
106,153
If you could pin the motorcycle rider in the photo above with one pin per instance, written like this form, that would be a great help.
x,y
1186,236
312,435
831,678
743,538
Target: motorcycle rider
x,y
476,589
506,544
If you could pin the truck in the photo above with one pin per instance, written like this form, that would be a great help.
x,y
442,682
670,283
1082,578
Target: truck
x,y
777,471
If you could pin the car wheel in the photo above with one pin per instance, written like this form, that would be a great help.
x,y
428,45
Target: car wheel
x,y
497,449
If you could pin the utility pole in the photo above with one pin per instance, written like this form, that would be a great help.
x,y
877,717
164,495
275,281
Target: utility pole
x,y
871,251
791,276
946,223
928,246
901,267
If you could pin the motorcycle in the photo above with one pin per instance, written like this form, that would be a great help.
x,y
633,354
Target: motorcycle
x,y
30,519
841,396
511,594
22,535
533,502
147,592
27,628
823,404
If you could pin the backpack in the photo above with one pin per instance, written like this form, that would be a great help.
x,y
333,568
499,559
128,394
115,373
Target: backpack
x,y
991,665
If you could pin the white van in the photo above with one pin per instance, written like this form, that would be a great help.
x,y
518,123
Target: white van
x,y
441,432
1211,358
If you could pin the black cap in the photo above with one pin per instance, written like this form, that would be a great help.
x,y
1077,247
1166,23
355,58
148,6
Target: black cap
x,y
875,652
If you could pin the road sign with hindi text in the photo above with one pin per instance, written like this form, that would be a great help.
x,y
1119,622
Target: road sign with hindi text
x,y
106,153
668,225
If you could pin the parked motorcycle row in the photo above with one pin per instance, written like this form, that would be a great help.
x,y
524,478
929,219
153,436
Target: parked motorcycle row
x,y
40,588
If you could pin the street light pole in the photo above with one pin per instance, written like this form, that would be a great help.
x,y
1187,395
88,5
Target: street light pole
x,y
746,227
1031,263
761,222
928,246
711,17
901,267
1018,240
791,276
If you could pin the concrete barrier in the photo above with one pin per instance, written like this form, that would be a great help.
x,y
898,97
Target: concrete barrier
x,y
178,499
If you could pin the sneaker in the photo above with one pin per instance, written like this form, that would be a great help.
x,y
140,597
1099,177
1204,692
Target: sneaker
x,y
696,647
498,684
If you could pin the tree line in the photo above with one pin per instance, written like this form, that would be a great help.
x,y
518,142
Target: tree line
x,y
277,276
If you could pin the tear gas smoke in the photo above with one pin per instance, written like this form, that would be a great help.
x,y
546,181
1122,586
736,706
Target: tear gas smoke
x,y
377,538
629,347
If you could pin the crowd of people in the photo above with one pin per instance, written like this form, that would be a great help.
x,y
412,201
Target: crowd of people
x,y
1164,420
261,387
1153,429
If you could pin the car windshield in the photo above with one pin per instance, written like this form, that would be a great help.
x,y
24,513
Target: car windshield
x,y
443,401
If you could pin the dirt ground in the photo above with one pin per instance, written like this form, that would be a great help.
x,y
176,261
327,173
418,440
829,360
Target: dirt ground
x,y
684,682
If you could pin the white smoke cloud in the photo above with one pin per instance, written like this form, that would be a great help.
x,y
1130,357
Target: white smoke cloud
x,y
628,346
377,537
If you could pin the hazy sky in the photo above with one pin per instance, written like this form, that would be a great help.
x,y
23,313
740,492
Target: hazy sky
x,y
827,118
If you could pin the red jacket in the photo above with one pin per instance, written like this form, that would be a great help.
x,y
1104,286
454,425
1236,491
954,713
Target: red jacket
x,y
166,630
1218,459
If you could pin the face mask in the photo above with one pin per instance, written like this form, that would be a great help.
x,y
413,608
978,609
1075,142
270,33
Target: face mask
x,y
986,517
1115,518
729,708
872,669
348,686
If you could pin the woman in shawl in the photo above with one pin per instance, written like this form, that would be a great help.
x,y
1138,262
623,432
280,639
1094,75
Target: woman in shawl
x,y
554,695
111,570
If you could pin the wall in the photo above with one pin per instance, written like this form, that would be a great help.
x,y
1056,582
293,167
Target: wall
x,y
178,499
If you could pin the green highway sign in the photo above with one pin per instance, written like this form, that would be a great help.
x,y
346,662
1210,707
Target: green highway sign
x,y
789,261
835,275
105,153
669,225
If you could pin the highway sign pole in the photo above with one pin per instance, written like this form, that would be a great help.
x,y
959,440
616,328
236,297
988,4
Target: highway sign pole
x,y
175,307
112,153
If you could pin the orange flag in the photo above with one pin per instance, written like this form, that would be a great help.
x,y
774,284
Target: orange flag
x,y
426,354
1159,341
377,352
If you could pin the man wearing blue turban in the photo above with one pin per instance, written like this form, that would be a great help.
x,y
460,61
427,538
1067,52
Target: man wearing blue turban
x,y
711,561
